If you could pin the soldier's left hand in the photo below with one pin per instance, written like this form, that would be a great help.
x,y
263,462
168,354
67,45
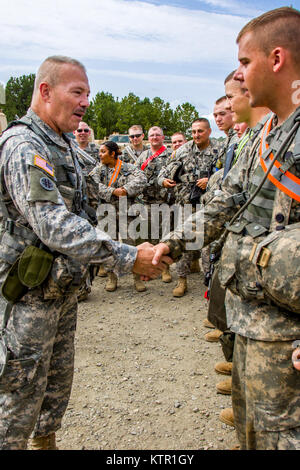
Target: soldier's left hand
x,y
202,183
119,192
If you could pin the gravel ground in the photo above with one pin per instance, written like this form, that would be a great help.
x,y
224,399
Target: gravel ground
x,y
144,374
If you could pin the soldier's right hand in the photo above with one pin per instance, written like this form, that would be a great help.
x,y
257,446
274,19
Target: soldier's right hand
x,y
143,263
167,183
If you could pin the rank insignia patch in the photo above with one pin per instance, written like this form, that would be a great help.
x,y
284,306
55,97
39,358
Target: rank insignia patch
x,y
43,164
46,183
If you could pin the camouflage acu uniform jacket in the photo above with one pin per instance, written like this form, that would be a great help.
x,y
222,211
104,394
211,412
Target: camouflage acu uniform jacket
x,y
153,192
93,150
251,311
130,178
189,162
242,148
36,205
130,155
232,138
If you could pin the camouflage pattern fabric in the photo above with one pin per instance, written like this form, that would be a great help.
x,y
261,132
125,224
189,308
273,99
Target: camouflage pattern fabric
x,y
230,139
248,318
130,154
36,384
191,161
183,266
259,321
265,384
93,150
87,162
153,192
130,178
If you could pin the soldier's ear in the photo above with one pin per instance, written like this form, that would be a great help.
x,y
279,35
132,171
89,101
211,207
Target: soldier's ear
x,y
45,90
278,58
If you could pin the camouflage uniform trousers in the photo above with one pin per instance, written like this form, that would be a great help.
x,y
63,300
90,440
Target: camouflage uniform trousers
x,y
265,395
155,223
36,385
183,266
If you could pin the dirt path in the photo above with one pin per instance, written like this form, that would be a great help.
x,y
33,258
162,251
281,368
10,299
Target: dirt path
x,y
144,375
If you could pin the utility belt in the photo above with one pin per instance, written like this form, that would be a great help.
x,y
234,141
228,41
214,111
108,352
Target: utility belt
x,y
262,266
31,264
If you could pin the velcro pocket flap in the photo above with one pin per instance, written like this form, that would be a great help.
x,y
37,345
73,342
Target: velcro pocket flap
x,y
34,266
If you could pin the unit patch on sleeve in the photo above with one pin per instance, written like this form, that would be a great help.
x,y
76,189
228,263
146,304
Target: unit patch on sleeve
x,y
46,183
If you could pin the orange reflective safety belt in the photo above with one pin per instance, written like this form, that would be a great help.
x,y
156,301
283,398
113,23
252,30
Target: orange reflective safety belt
x,y
284,180
116,172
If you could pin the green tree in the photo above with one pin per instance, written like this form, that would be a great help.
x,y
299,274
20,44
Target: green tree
x,y
18,93
128,113
102,114
185,114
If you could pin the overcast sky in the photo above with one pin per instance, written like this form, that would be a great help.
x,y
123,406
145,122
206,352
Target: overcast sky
x,y
179,50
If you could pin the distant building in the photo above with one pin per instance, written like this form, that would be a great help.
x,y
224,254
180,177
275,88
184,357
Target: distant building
x,y
3,121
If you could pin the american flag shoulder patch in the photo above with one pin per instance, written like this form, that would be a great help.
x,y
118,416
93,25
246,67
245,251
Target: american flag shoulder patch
x,y
43,164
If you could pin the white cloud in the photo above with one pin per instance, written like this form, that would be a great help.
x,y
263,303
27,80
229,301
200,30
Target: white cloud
x,y
149,49
154,77
233,6
116,30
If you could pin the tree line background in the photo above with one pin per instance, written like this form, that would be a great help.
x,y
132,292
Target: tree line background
x,y
107,114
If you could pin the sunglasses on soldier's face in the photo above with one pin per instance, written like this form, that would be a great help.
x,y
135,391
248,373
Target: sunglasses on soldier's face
x,y
135,135
83,130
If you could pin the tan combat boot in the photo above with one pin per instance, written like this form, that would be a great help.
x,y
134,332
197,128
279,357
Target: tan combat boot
x,y
101,272
112,282
224,387
195,268
181,287
213,336
224,368
43,443
208,324
226,416
166,275
138,283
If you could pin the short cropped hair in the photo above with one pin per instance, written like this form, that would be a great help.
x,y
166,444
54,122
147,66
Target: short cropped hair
x,y
49,70
221,99
136,126
279,27
202,119
178,133
156,127
229,77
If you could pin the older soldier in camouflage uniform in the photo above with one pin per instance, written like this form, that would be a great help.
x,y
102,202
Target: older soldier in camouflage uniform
x,y
82,135
194,163
46,244
132,152
151,161
118,182
260,258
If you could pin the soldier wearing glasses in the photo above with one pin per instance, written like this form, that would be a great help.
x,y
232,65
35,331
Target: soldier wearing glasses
x,y
82,135
131,152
